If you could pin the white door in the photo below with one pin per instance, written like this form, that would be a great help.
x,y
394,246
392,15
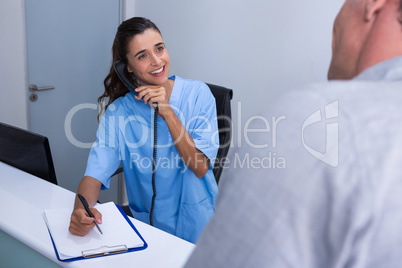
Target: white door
x,y
69,48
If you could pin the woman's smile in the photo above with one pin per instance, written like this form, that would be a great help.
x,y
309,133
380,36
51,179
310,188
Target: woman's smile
x,y
159,72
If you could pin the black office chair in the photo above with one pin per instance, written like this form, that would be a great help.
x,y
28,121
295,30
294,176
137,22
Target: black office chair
x,y
27,151
224,112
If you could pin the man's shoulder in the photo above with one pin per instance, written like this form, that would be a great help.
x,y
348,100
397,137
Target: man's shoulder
x,y
349,94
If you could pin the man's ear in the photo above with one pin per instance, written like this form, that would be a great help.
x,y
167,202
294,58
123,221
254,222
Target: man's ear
x,y
372,7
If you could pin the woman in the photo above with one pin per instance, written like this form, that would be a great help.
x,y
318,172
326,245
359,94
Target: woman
x,y
187,139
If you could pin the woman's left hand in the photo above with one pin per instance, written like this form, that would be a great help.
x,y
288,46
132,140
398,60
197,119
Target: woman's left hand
x,y
151,94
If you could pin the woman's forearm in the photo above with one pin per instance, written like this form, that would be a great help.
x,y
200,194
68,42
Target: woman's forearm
x,y
90,188
192,157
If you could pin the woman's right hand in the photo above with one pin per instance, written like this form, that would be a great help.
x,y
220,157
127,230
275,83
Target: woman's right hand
x,y
81,223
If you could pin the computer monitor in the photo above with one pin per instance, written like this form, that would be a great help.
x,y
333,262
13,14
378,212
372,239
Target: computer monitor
x,y
27,151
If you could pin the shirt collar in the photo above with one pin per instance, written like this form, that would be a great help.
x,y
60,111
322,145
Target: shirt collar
x,y
389,70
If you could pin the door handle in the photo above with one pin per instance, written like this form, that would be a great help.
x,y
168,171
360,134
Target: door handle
x,y
34,88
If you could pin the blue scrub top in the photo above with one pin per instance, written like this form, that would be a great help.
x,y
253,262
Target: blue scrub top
x,y
184,203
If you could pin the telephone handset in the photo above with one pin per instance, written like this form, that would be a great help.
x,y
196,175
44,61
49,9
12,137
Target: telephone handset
x,y
119,68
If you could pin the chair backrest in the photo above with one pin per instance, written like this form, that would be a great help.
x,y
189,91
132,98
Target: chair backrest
x,y
27,151
224,112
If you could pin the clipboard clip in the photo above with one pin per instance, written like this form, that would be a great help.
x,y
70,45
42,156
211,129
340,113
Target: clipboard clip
x,y
104,250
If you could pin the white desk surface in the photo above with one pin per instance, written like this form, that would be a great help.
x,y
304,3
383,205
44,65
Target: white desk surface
x,y
24,197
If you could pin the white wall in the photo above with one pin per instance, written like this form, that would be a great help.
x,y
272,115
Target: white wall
x,y
258,48
13,78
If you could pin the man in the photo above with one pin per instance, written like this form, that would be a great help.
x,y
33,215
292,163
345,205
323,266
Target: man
x,y
336,198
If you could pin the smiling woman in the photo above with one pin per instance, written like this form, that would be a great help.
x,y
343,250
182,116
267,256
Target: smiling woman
x,y
150,65
127,31
186,187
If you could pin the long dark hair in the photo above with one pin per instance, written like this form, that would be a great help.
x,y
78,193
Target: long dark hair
x,y
114,88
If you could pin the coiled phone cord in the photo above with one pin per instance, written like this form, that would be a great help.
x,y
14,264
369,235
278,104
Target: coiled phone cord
x,y
151,213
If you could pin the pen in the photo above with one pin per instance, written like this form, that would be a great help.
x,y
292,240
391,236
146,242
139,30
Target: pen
x,y
85,204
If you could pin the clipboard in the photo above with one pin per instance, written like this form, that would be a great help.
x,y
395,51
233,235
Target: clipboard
x,y
102,250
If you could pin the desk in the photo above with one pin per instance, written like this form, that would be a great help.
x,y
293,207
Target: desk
x,y
24,197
